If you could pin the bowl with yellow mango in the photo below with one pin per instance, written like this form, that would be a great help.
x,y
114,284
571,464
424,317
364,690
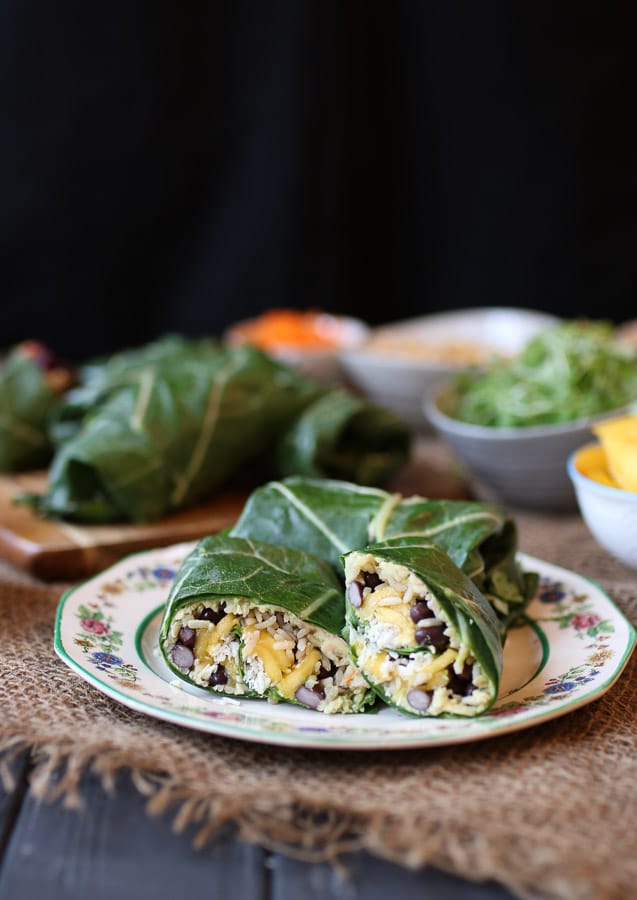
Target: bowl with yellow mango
x,y
604,476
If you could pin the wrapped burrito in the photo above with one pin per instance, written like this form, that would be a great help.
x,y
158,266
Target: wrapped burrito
x,y
421,633
165,433
250,619
330,518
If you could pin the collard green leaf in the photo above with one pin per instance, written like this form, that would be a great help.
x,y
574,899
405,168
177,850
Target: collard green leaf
x,y
26,402
98,379
330,517
345,437
268,575
172,436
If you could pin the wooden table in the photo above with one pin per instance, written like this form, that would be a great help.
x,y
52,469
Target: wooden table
x,y
112,850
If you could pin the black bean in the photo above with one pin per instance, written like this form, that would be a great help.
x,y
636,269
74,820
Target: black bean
x,y
182,656
355,593
218,677
419,700
432,636
209,614
318,690
371,579
420,611
460,685
187,636
467,672
325,672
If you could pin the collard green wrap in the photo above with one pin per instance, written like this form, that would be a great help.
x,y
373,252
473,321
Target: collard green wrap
x,y
31,383
97,379
252,619
165,433
25,404
420,631
330,517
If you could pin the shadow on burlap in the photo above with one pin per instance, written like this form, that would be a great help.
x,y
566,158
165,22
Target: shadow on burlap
x,y
548,811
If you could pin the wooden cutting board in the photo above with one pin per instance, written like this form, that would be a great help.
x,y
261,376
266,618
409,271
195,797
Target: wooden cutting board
x,y
64,551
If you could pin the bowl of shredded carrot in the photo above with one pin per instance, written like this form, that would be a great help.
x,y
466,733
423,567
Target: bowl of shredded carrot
x,y
310,340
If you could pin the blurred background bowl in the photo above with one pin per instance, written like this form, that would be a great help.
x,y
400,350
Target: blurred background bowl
x,y
609,512
309,341
402,362
523,467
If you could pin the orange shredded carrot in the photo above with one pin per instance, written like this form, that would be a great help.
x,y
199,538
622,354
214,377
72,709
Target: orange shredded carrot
x,y
288,327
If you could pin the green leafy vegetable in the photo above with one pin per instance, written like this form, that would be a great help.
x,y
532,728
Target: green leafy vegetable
x,y
99,378
156,433
572,371
222,587
330,518
26,402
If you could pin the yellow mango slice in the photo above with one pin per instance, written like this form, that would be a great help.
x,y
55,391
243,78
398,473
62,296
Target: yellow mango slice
x,y
275,662
619,442
208,638
591,462
299,675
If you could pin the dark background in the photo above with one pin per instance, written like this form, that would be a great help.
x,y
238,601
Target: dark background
x,y
177,166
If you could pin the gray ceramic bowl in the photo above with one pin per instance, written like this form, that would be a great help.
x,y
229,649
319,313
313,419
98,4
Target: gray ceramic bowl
x,y
524,467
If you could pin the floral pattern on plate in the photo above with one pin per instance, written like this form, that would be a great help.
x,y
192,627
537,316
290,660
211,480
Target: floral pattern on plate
x,y
570,651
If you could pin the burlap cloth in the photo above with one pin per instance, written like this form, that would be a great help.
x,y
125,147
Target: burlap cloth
x,y
549,811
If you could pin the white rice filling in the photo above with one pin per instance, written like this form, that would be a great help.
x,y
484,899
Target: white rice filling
x,y
375,641
253,663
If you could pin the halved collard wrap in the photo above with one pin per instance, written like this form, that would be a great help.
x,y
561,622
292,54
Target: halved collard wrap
x,y
330,517
249,619
422,634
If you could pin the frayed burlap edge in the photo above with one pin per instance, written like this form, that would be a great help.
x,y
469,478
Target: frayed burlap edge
x,y
308,832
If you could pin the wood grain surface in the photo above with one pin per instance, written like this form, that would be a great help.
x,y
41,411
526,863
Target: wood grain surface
x,y
61,551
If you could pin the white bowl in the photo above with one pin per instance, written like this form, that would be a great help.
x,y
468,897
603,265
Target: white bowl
x,y
609,512
524,467
319,364
401,362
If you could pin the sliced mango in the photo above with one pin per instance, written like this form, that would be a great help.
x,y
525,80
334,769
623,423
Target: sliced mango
x,y
591,461
619,442
207,639
300,674
275,662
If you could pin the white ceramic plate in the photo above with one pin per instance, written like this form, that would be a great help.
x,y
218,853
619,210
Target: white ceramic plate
x,y
573,649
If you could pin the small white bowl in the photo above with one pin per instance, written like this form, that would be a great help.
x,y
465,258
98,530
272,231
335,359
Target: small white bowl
x,y
609,512
524,467
402,362
321,364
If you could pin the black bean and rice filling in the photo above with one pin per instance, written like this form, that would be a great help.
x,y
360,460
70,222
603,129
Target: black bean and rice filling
x,y
235,648
403,644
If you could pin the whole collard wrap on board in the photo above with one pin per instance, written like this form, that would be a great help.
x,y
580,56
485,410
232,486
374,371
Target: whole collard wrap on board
x,y
155,431
31,382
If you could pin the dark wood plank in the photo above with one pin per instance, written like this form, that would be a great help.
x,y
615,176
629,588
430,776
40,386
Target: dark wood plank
x,y
369,878
113,849
11,801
